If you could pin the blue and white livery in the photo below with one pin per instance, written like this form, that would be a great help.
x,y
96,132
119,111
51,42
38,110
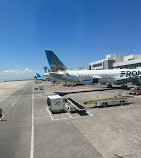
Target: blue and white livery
x,y
116,76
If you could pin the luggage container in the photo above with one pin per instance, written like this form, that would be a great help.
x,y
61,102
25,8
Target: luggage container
x,y
41,87
35,88
55,103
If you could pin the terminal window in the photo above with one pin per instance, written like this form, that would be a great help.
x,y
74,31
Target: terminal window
x,y
96,65
131,66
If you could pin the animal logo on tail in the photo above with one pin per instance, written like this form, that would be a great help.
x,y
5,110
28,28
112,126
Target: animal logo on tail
x,y
55,63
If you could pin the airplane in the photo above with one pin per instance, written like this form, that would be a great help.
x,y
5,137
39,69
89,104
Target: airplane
x,y
47,76
39,77
111,76
47,70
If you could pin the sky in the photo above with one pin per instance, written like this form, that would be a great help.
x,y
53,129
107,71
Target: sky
x,y
78,31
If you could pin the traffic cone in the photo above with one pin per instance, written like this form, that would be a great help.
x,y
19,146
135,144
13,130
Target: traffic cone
x,y
136,93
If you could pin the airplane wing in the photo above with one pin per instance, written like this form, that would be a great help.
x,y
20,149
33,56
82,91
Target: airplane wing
x,y
134,79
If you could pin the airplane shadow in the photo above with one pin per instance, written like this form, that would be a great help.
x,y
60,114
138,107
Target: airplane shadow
x,y
125,88
82,113
65,93
3,120
97,90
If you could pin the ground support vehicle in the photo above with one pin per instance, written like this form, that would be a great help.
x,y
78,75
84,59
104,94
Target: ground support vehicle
x,y
55,103
41,87
79,107
109,101
69,107
135,90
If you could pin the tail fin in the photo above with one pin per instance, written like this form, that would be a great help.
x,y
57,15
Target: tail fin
x,y
55,63
38,75
46,69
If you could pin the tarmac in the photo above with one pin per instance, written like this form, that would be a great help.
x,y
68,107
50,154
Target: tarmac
x,y
29,129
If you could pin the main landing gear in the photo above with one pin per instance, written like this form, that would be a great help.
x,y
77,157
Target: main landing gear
x,y
109,86
124,86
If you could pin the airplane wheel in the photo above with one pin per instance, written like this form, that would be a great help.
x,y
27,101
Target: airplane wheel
x,y
121,102
104,105
109,86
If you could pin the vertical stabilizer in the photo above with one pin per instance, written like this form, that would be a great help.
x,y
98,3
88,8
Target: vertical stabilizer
x,y
55,63
47,70
38,75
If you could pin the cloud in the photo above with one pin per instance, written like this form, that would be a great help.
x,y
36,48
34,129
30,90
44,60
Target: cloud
x,y
27,70
17,74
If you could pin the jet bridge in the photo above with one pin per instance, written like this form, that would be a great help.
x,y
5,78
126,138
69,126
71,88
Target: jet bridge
x,y
77,105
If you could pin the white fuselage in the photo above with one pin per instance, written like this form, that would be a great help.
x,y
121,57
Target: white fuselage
x,y
97,76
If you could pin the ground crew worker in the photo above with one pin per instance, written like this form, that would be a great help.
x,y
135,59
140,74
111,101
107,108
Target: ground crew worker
x,y
0,114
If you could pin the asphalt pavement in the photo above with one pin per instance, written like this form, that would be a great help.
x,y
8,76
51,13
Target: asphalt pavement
x,y
27,129
15,129
30,130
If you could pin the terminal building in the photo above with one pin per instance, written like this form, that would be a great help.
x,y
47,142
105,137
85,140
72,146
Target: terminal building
x,y
112,61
